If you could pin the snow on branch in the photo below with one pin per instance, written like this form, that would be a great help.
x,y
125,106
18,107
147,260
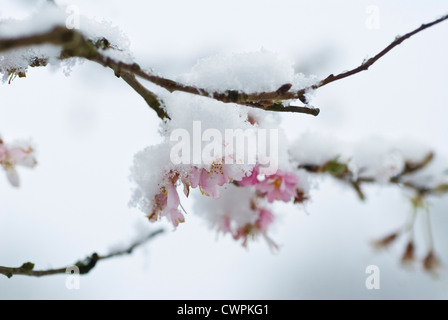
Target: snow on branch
x,y
75,44
404,165
223,112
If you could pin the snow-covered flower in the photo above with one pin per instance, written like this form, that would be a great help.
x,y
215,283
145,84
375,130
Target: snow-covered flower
x,y
279,186
218,175
250,180
166,204
171,210
206,181
252,230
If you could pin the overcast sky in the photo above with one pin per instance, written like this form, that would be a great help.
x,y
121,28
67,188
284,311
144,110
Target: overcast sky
x,y
88,126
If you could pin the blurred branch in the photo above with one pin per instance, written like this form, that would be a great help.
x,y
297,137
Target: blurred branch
x,y
85,266
75,45
341,172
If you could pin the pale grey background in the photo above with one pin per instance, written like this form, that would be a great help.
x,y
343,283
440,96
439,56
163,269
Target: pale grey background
x,y
89,125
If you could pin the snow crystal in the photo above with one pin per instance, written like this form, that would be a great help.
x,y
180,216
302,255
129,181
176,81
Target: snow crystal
x,y
44,19
377,157
304,180
19,60
317,148
383,159
249,72
372,157
185,110
432,176
149,168
47,17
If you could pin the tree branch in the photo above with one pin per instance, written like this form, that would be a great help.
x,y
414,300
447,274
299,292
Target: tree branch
x,y
341,172
250,98
366,64
85,266
75,45
150,98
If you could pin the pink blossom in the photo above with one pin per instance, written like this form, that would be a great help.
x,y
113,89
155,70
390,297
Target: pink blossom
x,y
225,225
159,203
205,181
251,179
244,233
171,210
2,153
249,231
264,220
279,186
21,156
209,180
166,204
11,156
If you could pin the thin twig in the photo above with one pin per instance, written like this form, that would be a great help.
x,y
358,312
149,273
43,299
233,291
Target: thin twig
x,y
241,97
75,45
366,64
341,172
84,266
150,98
251,99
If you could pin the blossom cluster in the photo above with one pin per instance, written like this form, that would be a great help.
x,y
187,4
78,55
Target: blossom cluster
x,y
217,182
